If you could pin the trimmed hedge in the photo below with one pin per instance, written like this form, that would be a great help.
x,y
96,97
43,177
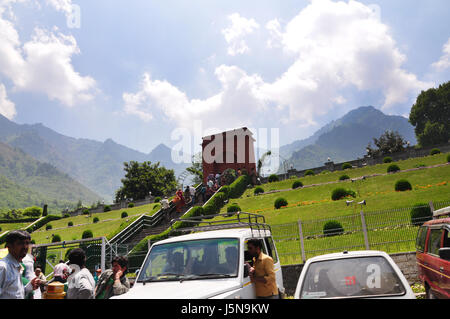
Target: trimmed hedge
x,y
107,208
238,187
258,190
346,166
435,151
280,202
70,224
332,228
214,204
56,238
420,213
344,177
96,220
130,205
42,222
297,184
233,209
273,178
309,172
387,159
403,185
14,221
124,214
48,226
339,193
225,189
87,234
157,199
393,168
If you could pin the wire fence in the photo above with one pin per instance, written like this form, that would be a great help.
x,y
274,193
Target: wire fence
x,y
392,231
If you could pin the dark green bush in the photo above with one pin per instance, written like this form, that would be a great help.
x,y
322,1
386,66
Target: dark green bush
x,y
393,168
273,178
41,223
387,159
131,205
346,166
333,228
86,211
309,172
124,214
156,205
448,158
420,214
157,199
87,234
435,151
238,187
225,189
233,209
344,177
33,211
96,219
66,215
297,184
56,238
339,193
419,165
403,185
48,226
214,204
107,208
280,202
258,190
70,224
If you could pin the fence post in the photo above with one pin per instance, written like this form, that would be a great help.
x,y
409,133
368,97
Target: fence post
x,y
102,258
364,228
431,208
302,244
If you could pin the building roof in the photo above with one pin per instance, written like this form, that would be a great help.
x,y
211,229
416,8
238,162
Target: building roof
x,y
235,132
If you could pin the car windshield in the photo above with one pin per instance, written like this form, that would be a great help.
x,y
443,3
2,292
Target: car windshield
x,y
196,259
351,278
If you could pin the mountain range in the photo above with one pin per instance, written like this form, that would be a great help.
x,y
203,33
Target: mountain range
x,y
97,165
346,138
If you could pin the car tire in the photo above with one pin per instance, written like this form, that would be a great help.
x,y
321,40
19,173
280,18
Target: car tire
x,y
429,293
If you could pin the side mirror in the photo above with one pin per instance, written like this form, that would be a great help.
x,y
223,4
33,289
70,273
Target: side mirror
x,y
246,271
444,253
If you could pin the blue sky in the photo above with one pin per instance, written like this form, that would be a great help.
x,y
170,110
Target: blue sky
x,y
135,70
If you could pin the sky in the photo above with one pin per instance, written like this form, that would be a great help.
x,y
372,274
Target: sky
x,y
139,71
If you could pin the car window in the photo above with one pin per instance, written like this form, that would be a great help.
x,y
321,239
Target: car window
x,y
446,243
351,278
271,249
421,237
434,243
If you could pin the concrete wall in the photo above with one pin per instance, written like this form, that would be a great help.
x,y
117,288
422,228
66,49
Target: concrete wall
x,y
405,261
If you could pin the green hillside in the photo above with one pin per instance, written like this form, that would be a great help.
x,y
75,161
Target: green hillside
x,y
27,182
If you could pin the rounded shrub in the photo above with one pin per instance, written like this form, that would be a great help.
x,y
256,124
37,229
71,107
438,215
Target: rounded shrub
x,y
393,168
346,166
86,211
420,214
309,172
107,208
233,209
124,214
344,177
403,185
66,215
96,219
339,193
273,178
435,151
56,238
131,205
258,190
297,184
70,224
387,159
280,202
48,226
333,228
87,234
157,199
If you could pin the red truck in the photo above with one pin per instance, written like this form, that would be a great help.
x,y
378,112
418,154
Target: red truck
x,y
433,255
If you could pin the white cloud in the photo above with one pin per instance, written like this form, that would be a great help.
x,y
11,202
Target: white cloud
x,y
7,108
43,64
444,61
336,46
236,33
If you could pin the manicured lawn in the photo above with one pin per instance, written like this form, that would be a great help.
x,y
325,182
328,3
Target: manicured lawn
x,y
8,226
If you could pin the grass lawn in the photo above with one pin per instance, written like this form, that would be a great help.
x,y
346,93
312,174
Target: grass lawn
x,y
9,226
109,222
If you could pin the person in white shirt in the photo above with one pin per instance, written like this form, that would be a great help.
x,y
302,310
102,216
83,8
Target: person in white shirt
x,y
81,283
192,190
11,284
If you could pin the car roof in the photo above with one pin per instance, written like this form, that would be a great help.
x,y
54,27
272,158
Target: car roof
x,y
348,254
224,233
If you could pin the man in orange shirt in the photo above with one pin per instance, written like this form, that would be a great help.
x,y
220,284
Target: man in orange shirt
x,y
262,274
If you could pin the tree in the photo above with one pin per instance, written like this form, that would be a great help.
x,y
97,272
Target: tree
x,y
142,178
388,143
197,168
430,116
